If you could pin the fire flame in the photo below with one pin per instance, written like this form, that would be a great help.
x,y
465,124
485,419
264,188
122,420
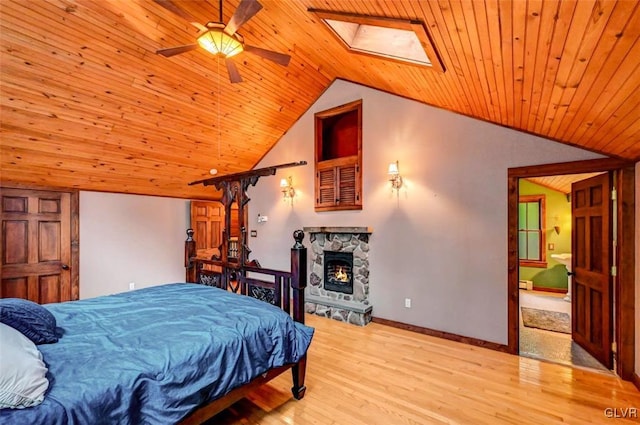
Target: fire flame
x,y
341,275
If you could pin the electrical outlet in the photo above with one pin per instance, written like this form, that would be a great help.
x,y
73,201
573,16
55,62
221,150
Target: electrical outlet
x,y
407,302
132,286
254,233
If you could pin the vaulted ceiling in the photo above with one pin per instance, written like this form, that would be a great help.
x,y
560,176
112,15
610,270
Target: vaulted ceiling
x,y
87,103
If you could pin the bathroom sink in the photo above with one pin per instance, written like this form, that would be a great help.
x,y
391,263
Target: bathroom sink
x,y
565,259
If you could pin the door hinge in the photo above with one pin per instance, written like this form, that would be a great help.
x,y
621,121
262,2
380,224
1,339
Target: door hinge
x,y
614,194
614,271
614,347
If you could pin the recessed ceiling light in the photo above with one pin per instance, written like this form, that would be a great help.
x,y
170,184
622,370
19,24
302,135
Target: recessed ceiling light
x,y
213,171
389,38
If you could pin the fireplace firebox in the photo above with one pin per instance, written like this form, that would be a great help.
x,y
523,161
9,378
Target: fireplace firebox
x,y
338,271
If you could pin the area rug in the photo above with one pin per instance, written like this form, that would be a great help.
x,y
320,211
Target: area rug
x,y
547,320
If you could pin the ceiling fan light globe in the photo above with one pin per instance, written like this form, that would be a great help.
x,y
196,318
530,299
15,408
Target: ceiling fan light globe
x,y
217,42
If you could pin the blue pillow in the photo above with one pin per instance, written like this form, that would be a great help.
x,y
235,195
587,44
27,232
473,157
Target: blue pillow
x,y
31,319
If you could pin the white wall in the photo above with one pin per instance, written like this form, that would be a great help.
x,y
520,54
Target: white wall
x,y
444,242
130,238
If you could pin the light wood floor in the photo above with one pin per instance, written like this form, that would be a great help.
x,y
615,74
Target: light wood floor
x,y
382,375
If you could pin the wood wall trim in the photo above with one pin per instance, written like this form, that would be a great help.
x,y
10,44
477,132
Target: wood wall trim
x,y
75,245
513,266
636,380
625,310
575,167
545,289
625,286
441,334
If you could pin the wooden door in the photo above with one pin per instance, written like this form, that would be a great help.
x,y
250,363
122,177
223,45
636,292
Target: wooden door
x,y
37,246
207,222
591,248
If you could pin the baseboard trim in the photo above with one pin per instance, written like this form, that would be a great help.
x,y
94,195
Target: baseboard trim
x,y
444,335
636,380
545,289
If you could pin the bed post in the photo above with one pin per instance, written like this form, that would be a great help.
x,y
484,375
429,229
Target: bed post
x,y
190,252
298,283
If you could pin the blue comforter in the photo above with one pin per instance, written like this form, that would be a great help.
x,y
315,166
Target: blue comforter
x,y
152,355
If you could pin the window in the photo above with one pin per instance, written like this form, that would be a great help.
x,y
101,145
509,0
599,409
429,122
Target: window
x,y
402,40
531,227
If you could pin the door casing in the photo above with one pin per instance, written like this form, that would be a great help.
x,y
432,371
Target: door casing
x,y
624,289
74,231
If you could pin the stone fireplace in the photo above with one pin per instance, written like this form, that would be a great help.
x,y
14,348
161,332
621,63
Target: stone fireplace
x,y
339,274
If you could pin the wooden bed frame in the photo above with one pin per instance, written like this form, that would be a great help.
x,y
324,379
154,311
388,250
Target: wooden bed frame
x,y
280,288
238,274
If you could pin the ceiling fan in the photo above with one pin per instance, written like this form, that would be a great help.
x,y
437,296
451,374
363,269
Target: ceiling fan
x,y
223,40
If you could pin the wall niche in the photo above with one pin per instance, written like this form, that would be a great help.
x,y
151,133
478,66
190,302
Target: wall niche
x,y
338,158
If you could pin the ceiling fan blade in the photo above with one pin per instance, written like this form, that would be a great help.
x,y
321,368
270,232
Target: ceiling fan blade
x,y
172,51
279,58
232,69
245,11
171,7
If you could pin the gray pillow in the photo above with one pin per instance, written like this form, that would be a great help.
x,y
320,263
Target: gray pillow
x,y
23,379
33,320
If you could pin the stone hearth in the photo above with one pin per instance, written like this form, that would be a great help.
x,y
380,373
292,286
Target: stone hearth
x,y
353,308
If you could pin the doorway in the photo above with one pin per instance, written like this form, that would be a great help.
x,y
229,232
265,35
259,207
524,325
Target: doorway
x,y
623,293
545,271
40,248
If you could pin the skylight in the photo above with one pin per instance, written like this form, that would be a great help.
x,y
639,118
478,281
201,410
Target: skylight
x,y
396,39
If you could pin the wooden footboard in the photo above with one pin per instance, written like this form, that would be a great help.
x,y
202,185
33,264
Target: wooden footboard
x,y
284,289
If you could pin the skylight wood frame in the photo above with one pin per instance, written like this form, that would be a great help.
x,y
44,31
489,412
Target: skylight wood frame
x,y
415,26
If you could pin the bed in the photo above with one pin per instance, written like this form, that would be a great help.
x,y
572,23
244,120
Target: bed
x,y
174,353
157,354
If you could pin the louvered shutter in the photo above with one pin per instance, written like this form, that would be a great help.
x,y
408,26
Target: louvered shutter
x,y
347,185
326,193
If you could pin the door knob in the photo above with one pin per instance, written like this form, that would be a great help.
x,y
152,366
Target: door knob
x,y
65,267
570,273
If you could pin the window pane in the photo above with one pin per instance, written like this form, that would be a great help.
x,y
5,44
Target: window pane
x,y
533,246
533,216
522,215
522,245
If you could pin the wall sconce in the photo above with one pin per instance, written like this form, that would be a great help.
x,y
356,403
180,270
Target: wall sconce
x,y
288,192
556,226
396,178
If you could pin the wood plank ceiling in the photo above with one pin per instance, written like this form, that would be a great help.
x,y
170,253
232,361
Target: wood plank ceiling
x,y
561,183
87,103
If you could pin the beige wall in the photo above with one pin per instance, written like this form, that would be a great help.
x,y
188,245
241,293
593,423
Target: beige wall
x,y
443,243
130,238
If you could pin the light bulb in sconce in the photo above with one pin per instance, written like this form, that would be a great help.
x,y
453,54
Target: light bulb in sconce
x,y
393,169
395,177
286,187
